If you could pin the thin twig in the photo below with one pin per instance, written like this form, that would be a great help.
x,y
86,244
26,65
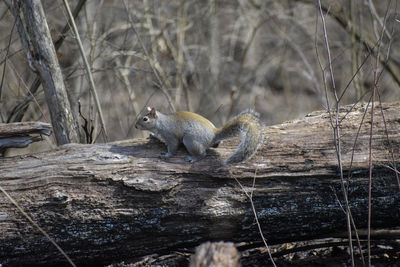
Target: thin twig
x,y
388,140
355,142
336,126
11,65
391,67
353,224
236,95
77,9
370,174
390,147
355,74
37,226
161,84
6,56
255,215
19,109
87,67
374,89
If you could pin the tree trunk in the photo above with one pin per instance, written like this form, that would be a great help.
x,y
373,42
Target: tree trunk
x,y
42,58
118,201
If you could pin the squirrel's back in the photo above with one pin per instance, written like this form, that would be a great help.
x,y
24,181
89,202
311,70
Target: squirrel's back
x,y
188,117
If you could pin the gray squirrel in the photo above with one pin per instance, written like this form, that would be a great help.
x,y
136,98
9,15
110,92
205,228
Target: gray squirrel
x,y
197,133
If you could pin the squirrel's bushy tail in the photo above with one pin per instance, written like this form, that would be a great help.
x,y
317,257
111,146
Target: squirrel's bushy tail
x,y
248,126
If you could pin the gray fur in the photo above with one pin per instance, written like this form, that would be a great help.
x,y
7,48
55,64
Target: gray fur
x,y
198,136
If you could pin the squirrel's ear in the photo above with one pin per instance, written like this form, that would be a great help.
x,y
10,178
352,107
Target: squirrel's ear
x,y
148,109
153,112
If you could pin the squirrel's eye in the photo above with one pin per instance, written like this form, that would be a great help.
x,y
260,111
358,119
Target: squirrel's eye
x,y
145,119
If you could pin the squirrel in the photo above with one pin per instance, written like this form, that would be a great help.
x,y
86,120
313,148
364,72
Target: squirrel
x,y
198,134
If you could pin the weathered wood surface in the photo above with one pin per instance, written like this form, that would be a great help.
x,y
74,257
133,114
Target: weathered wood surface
x,y
21,134
24,128
120,201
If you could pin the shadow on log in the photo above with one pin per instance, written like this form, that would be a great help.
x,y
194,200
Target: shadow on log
x,y
110,202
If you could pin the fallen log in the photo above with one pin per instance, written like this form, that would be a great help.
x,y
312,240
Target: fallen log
x,y
109,202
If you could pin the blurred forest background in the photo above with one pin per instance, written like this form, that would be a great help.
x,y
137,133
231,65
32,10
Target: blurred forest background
x,y
215,58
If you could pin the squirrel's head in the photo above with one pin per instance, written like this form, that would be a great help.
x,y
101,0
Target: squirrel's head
x,y
147,121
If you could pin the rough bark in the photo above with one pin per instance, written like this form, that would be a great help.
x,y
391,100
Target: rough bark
x,y
42,58
120,201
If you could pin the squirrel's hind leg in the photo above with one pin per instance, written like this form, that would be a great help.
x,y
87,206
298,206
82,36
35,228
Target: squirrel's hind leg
x,y
196,149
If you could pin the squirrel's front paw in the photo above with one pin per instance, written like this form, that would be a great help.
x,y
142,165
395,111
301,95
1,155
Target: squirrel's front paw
x,y
153,137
